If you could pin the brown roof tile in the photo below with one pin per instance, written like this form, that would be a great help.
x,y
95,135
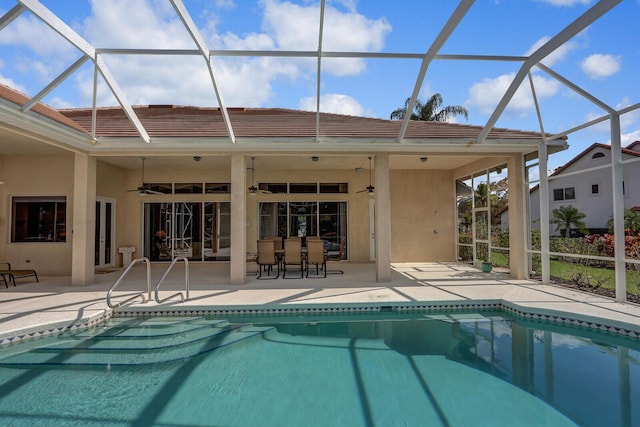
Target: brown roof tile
x,y
21,99
177,121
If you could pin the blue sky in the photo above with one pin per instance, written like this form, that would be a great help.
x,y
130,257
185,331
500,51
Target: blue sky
x,y
604,59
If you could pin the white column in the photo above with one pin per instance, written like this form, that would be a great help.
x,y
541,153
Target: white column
x,y
544,213
84,221
383,218
618,209
518,192
238,220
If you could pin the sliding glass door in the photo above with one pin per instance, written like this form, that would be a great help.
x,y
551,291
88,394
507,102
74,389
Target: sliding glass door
x,y
198,231
328,220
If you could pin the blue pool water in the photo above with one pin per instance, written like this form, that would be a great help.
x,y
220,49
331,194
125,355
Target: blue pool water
x,y
464,369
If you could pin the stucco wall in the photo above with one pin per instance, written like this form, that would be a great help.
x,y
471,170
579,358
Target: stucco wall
x,y
422,202
36,176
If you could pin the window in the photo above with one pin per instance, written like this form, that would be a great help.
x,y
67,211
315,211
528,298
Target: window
x,y
274,188
568,193
595,189
38,219
305,188
597,156
334,188
187,188
217,188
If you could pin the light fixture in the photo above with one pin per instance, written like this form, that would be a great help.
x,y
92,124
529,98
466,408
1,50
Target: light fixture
x,y
253,190
370,188
424,159
197,158
314,158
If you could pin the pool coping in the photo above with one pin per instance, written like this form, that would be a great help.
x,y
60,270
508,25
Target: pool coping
x,y
582,321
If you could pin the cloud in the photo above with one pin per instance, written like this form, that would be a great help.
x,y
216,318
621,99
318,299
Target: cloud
x,y
289,24
244,81
486,94
30,32
598,66
333,103
628,138
135,24
555,56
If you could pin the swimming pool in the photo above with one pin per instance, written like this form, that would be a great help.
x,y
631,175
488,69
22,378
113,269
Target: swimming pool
x,y
486,368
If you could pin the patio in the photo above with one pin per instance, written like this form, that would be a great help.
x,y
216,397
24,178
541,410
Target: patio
x,y
52,305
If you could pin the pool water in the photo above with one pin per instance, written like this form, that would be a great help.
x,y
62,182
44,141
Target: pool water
x,y
456,369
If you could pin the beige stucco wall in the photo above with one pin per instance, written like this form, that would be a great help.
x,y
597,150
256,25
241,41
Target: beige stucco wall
x,y
421,202
36,176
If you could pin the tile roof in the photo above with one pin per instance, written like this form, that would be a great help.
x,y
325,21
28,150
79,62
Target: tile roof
x,y
179,121
21,99
188,121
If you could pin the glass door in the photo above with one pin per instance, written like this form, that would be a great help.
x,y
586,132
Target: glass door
x,y
303,219
105,232
195,230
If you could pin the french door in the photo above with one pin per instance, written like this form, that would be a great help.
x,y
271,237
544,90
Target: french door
x,y
105,232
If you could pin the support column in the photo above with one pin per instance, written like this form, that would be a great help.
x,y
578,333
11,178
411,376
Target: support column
x,y
83,230
517,218
545,240
618,209
238,220
383,218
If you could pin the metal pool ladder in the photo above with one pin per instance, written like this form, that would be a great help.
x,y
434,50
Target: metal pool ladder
x,y
124,273
186,281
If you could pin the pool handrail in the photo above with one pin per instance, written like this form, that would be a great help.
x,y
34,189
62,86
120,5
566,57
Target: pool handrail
x,y
124,273
186,280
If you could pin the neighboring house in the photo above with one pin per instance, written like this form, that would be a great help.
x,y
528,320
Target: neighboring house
x,y
589,192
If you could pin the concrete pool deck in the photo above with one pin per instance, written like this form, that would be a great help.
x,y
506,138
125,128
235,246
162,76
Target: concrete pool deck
x,y
34,309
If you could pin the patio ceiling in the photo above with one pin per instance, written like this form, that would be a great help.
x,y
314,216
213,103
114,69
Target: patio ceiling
x,y
100,57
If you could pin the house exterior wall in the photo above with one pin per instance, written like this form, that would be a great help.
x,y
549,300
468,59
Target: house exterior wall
x,y
421,201
422,216
36,176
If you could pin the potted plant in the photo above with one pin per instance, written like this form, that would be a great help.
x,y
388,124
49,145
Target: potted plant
x,y
486,265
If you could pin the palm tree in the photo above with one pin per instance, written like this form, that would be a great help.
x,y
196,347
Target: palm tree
x,y
567,216
631,221
430,111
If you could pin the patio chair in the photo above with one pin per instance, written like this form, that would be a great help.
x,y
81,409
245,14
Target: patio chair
x,y
292,256
315,255
266,258
337,256
277,241
10,275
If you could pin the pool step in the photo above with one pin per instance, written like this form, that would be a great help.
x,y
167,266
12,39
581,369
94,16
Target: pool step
x,y
125,344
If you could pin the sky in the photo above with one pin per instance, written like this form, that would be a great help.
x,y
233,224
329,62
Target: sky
x,y
604,59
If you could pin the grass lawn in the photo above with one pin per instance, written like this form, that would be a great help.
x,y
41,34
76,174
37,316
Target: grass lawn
x,y
569,272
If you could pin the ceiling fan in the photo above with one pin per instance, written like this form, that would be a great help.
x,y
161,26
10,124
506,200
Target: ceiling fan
x,y
370,188
253,190
144,189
